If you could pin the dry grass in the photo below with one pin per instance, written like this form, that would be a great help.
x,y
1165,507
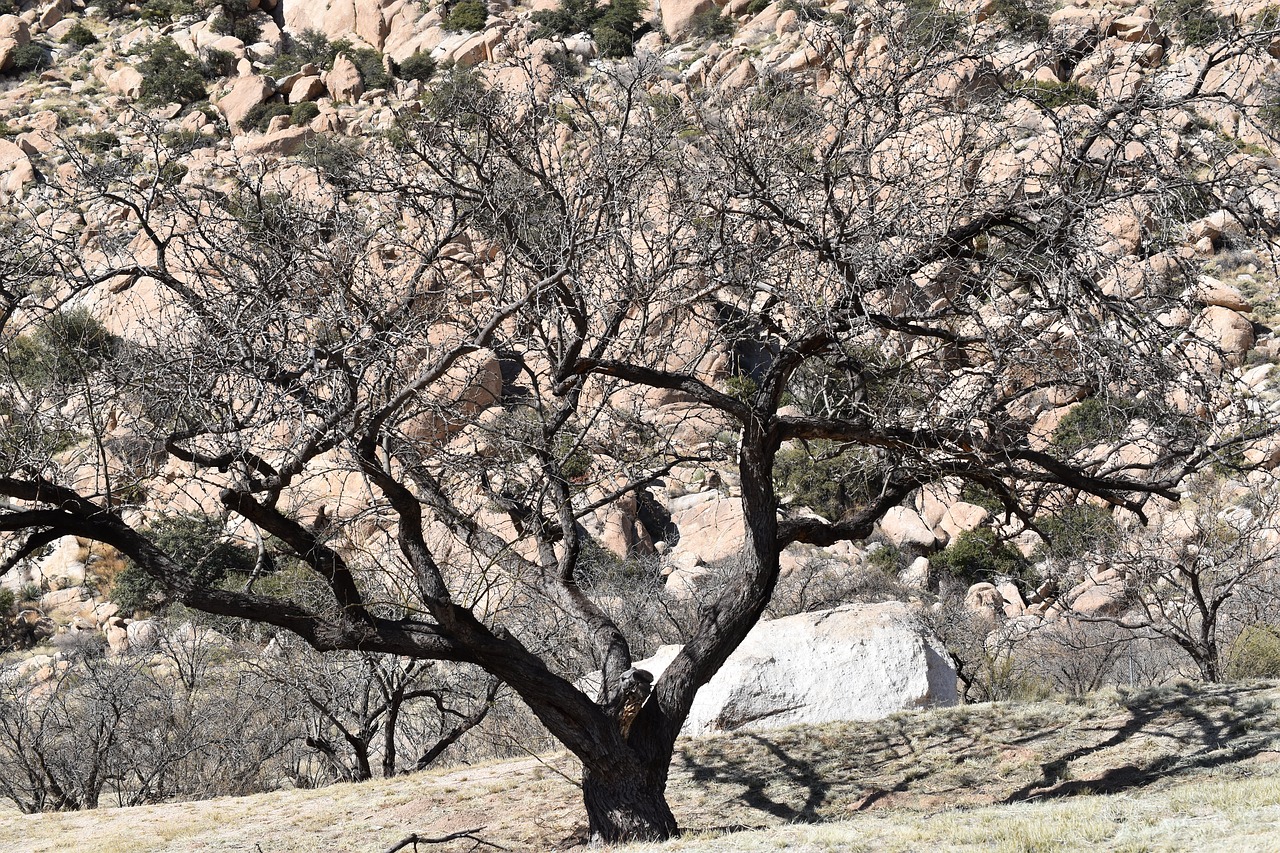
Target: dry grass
x,y
1177,768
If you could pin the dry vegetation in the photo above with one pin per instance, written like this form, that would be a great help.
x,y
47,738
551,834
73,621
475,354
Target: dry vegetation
x,y
1176,768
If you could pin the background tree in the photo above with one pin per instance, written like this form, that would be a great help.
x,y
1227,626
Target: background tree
x,y
419,370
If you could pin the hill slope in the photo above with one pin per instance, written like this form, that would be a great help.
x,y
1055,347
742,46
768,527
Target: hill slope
x,y
1172,769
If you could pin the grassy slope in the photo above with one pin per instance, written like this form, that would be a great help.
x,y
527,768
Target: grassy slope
x,y
1181,768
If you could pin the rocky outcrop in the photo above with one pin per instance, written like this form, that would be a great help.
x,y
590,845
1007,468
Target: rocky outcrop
x,y
857,662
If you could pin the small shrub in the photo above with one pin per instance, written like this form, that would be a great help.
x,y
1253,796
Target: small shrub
x,y
1075,531
829,479
79,34
420,66
370,64
8,602
170,74
28,58
467,16
1048,96
1195,21
260,115
62,349
755,7
218,63
8,7
1028,19
710,24
304,113
979,555
1091,422
1254,654
29,592
199,547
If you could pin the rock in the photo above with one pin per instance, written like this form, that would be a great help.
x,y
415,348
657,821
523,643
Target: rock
x,y
711,527
1014,606
904,528
276,143
962,517
1137,28
143,634
916,575
62,597
246,93
13,27
1225,330
306,89
856,662
126,81
344,81
984,597
677,15
1210,291
117,639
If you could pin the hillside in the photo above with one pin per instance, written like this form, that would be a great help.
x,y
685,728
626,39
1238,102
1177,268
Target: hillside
x,y
1169,769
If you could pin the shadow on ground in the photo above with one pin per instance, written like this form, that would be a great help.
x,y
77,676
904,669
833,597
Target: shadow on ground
x,y
976,755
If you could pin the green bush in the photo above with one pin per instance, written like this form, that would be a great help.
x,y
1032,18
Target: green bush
x,y
79,34
304,113
8,602
1254,654
1048,96
1026,18
260,115
466,16
710,24
1091,422
170,74
28,58
979,555
8,7
419,66
614,27
198,545
61,350
830,479
1076,530
370,64
755,7
218,63
1195,21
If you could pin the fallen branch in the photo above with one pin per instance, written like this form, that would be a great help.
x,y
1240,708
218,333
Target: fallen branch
x,y
416,839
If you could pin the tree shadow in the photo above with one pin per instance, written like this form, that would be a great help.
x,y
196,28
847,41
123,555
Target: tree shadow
x,y
1206,740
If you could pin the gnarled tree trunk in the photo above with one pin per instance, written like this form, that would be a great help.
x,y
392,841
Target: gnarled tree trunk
x,y
626,805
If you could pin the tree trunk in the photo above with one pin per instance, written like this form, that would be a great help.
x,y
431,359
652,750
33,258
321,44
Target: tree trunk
x,y
626,807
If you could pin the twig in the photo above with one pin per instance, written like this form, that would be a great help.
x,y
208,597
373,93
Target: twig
x,y
417,839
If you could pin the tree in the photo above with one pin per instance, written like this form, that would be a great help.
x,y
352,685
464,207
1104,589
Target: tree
x,y
523,307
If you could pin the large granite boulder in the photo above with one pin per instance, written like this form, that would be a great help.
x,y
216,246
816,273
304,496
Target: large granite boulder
x,y
856,662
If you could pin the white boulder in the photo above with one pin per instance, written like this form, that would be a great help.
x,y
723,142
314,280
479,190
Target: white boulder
x,y
856,662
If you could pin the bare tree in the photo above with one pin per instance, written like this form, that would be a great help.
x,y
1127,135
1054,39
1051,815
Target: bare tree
x,y
529,303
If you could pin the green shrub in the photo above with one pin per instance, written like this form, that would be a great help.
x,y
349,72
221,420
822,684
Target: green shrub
x,y
218,63
1254,654
260,115
1091,422
8,602
419,66
370,64
979,555
830,479
79,34
8,7
198,545
710,24
1075,531
466,16
170,74
1026,18
304,113
1195,21
61,350
614,27
1050,96
755,7
28,58
29,592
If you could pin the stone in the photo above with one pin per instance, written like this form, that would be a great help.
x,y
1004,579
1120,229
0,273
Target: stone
x,y
246,93
962,517
1211,291
903,527
856,662
143,634
343,81
126,81
62,597
306,89
13,27
677,15
711,527
117,639
1226,330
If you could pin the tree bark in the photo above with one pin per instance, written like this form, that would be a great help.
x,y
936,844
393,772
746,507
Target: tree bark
x,y
626,806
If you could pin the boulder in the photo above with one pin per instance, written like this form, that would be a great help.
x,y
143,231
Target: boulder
x,y
1225,330
677,15
305,89
904,528
13,27
856,662
711,528
245,94
344,81
126,81
142,635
